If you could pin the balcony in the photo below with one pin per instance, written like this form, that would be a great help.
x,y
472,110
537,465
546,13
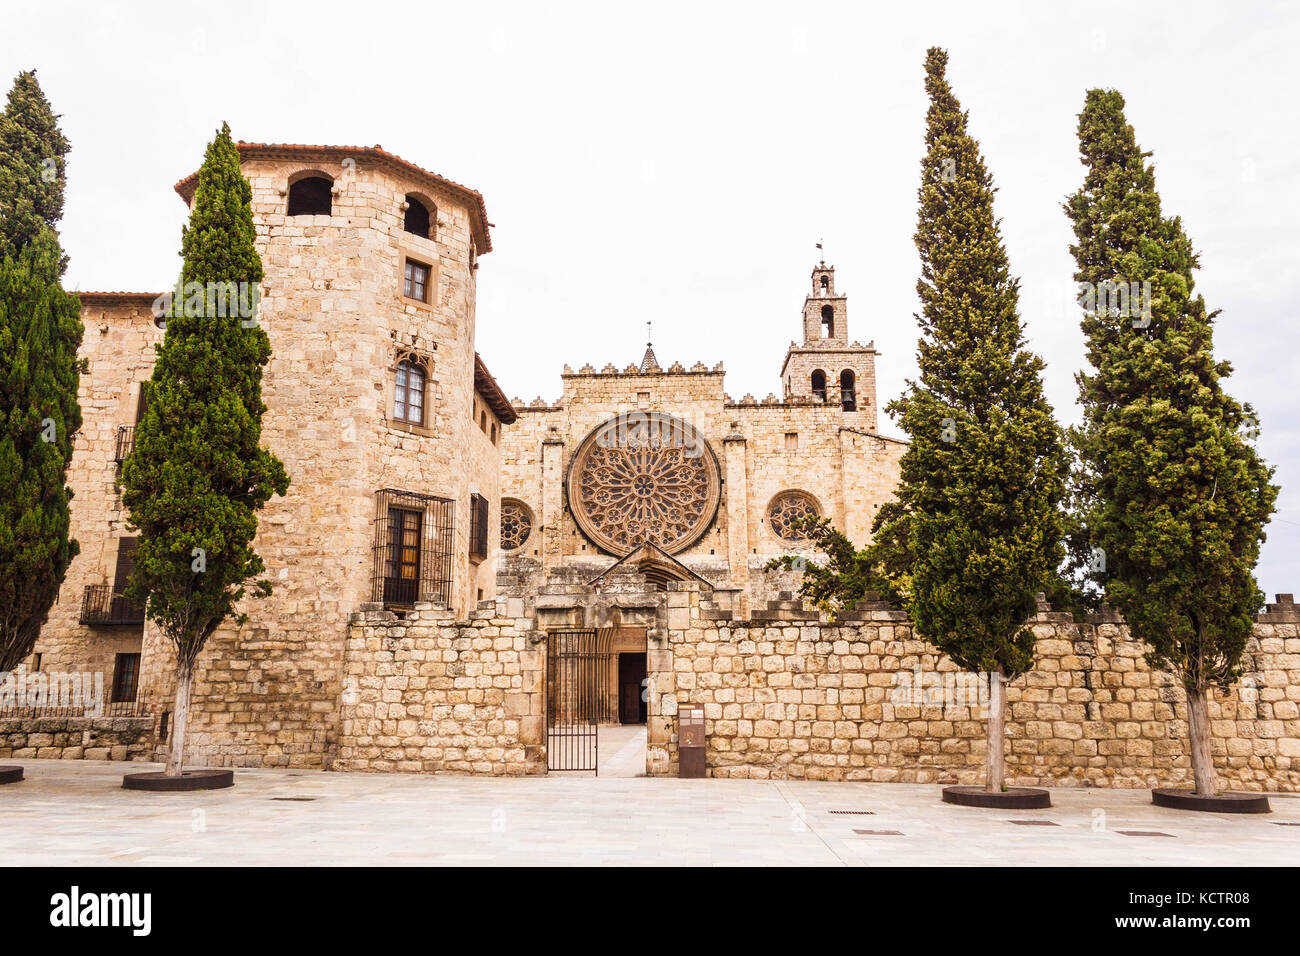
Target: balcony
x,y
125,442
103,604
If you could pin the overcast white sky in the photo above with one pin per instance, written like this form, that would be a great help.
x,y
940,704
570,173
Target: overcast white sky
x,y
678,162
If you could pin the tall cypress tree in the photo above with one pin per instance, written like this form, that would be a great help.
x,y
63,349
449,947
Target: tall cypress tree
x,y
40,332
1176,498
983,478
33,153
198,475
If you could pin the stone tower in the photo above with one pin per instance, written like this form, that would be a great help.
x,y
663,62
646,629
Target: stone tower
x,y
828,367
388,423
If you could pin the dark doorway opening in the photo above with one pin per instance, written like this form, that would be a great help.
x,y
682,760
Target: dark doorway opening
x,y
631,686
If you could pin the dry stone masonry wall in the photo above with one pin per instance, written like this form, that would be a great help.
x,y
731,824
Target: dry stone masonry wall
x,y
803,699
427,693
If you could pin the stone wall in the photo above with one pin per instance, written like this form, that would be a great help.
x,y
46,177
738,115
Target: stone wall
x,y
426,693
78,738
802,699
118,349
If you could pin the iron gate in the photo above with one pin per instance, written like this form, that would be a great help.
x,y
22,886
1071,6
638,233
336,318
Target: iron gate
x,y
577,681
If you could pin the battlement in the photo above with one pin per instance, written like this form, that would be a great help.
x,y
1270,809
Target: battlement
x,y
611,370
772,401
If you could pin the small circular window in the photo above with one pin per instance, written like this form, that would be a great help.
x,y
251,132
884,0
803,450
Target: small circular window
x,y
788,510
516,524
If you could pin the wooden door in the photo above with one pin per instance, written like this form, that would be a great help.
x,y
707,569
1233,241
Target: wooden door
x,y
631,680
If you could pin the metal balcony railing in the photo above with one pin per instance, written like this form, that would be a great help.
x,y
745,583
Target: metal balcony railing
x,y
104,604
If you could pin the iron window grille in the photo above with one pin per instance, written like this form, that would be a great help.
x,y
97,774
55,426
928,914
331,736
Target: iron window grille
x,y
413,548
125,442
478,526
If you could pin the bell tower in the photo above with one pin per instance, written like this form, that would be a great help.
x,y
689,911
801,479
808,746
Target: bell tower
x,y
827,367
825,314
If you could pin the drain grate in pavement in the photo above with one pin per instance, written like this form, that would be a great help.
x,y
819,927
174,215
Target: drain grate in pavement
x,y
878,832
1145,833
295,799
862,813
1034,823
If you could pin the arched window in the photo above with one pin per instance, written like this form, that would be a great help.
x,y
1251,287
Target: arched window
x,y
408,393
826,282
417,217
828,322
819,385
311,196
848,400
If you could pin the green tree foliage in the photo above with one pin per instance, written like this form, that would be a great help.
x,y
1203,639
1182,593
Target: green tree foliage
x,y
983,478
32,167
849,574
198,475
40,332
1173,497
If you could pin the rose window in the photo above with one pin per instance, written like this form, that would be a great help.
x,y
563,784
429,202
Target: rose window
x,y
787,512
644,477
516,524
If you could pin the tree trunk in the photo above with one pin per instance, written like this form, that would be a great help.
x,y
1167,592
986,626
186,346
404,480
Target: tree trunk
x,y
180,719
1198,729
994,768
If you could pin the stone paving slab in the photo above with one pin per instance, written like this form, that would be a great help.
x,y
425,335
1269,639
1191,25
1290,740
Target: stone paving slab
x,y
75,813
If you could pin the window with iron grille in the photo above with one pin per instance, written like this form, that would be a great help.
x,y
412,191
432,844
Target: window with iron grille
x,y
478,526
126,677
415,283
412,548
408,393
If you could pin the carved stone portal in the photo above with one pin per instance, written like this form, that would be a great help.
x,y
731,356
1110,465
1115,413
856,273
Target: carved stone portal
x,y
640,477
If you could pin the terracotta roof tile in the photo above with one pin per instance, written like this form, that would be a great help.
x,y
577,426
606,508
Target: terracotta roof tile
x,y
142,296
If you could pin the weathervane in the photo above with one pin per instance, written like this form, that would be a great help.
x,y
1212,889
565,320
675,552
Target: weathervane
x,y
820,254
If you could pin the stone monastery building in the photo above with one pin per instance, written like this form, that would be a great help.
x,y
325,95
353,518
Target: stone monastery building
x,y
463,583
415,481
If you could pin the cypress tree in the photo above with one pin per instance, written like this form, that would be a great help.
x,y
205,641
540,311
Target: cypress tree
x,y
1176,498
40,332
984,475
198,475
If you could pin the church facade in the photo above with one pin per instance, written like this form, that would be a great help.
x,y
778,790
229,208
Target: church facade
x,y
663,457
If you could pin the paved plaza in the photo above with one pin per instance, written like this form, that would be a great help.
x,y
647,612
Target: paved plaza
x,y
75,813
